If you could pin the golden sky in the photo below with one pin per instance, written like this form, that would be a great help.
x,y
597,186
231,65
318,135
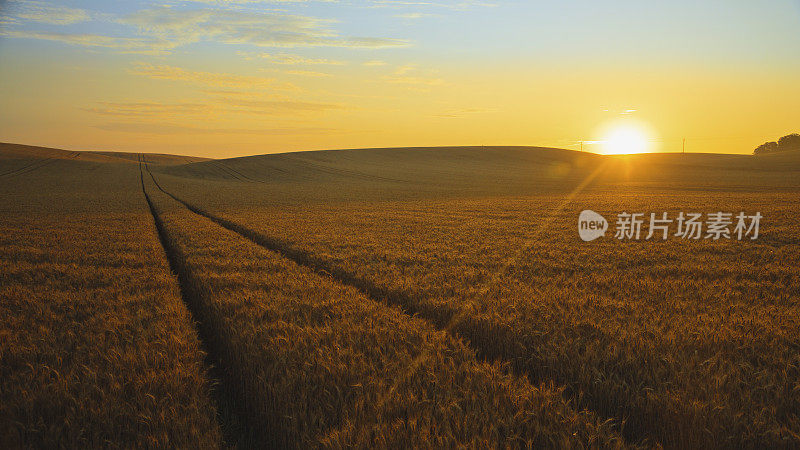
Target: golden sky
x,y
230,78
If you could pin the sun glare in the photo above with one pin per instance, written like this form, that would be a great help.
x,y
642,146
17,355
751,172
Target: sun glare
x,y
626,138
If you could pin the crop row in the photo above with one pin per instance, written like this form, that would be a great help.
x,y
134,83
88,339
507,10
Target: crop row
x,y
96,346
310,361
683,344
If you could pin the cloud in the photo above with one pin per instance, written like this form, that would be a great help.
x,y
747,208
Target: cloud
x,y
149,109
223,101
274,106
35,11
418,81
123,44
164,72
410,75
412,16
623,112
370,42
167,129
4,22
307,73
402,70
238,27
462,112
287,59
375,63
244,2
161,29
452,5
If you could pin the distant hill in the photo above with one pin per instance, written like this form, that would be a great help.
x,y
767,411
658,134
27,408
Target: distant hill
x,y
400,165
493,168
431,170
29,152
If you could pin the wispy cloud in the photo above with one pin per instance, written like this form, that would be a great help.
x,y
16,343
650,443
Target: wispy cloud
x,y
161,29
244,2
288,59
462,112
221,102
274,106
238,27
623,112
412,16
165,72
402,70
412,75
167,129
149,109
122,44
307,73
42,12
417,81
451,5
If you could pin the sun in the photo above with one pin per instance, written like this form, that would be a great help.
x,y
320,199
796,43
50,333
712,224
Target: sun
x,y
623,138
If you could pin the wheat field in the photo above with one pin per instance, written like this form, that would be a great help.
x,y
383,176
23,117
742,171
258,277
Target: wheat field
x,y
420,297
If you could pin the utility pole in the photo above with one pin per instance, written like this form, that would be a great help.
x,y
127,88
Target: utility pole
x,y
581,145
684,146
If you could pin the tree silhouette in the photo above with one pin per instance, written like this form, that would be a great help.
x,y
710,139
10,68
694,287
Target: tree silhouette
x,y
788,142
767,147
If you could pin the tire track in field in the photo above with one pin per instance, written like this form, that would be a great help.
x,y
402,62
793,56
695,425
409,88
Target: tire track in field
x,y
301,257
19,169
32,166
320,166
236,175
226,173
239,175
36,165
245,177
221,171
460,323
234,423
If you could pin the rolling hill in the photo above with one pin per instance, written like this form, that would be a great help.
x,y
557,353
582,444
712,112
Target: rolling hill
x,y
429,170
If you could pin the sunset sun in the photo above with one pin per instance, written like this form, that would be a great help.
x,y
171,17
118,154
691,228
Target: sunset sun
x,y
626,138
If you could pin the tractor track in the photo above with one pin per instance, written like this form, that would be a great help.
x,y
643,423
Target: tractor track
x,y
36,165
459,323
237,427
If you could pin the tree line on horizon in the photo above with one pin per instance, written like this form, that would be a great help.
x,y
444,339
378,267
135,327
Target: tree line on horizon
x,y
788,142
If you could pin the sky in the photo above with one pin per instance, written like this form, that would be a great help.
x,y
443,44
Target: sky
x,y
224,78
